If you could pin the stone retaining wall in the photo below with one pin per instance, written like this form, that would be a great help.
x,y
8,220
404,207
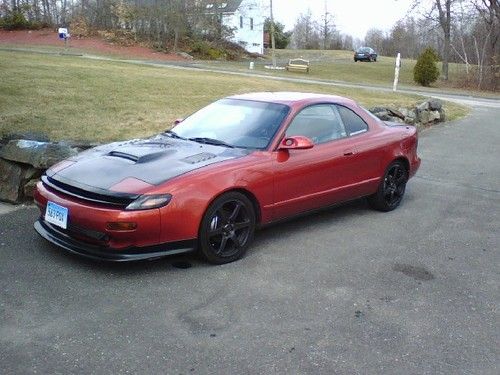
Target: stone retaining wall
x,y
427,113
23,159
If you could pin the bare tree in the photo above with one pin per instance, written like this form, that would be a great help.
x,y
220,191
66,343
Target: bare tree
x,y
441,12
444,14
375,38
489,12
327,28
305,32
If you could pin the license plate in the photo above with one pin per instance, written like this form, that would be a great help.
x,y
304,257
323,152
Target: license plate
x,y
57,215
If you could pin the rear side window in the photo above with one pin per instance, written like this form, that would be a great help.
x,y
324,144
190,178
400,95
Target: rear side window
x,y
320,123
352,122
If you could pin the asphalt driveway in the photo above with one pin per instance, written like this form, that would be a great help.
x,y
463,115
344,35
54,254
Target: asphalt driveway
x,y
347,290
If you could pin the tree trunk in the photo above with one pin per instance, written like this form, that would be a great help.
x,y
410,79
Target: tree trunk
x,y
446,54
445,23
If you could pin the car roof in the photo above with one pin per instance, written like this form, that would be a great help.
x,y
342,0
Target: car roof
x,y
291,98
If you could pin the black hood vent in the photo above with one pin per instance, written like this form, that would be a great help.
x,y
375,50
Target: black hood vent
x,y
124,155
198,158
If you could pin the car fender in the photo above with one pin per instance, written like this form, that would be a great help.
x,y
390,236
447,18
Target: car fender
x,y
193,192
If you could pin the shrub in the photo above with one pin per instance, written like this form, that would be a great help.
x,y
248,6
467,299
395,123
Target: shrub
x,y
13,21
426,70
16,19
207,50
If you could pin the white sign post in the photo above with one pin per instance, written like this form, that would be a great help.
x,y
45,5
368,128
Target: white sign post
x,y
396,72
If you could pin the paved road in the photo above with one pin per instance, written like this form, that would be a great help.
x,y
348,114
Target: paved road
x,y
347,291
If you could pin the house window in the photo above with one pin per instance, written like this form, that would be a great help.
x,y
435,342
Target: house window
x,y
251,23
241,22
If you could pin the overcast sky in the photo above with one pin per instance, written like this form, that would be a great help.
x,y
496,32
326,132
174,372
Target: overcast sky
x,y
352,17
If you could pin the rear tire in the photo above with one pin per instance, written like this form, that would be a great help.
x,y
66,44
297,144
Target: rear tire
x,y
227,228
391,189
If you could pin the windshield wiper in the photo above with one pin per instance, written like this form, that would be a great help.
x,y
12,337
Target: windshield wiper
x,y
173,134
210,141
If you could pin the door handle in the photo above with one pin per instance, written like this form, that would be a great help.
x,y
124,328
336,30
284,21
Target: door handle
x,y
349,152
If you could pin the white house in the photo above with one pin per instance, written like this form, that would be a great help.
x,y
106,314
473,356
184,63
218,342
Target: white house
x,y
246,17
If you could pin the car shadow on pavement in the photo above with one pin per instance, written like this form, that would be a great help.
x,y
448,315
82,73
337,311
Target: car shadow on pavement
x,y
323,218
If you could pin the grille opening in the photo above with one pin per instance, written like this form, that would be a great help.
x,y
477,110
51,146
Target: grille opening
x,y
117,200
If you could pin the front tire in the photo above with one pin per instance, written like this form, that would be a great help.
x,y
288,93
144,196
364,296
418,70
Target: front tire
x,y
227,228
391,189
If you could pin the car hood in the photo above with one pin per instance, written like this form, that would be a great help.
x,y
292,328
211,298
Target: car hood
x,y
151,161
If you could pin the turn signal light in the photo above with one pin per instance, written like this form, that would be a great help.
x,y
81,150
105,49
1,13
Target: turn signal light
x,y
121,226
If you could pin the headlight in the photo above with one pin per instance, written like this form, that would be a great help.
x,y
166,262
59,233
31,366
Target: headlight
x,y
146,202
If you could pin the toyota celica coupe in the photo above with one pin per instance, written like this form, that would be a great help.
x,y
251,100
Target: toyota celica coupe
x,y
240,163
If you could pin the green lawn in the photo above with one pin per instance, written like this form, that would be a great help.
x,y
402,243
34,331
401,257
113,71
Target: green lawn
x,y
340,66
69,97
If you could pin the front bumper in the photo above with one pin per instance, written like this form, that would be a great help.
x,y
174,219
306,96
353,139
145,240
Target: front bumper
x,y
96,252
363,57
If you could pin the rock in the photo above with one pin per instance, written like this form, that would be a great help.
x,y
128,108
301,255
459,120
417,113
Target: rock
x,y
81,145
395,113
407,112
185,55
435,104
443,116
30,136
40,155
410,120
29,188
384,116
423,117
375,110
395,119
404,111
12,179
434,115
423,106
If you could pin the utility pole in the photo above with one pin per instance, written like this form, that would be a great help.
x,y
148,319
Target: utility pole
x,y
325,28
273,44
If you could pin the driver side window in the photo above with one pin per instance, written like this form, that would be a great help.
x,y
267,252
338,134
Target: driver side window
x,y
320,123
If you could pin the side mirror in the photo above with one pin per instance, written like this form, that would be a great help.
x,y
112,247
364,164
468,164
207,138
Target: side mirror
x,y
297,142
178,121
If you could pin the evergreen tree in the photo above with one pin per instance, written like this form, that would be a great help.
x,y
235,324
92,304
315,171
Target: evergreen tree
x,y
426,70
282,37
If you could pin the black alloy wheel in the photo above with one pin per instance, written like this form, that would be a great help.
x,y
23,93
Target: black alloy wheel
x,y
392,188
227,228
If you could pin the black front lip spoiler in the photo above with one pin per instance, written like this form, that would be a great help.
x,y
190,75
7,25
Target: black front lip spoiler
x,y
95,252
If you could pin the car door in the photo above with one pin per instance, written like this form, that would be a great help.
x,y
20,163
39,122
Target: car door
x,y
364,174
312,178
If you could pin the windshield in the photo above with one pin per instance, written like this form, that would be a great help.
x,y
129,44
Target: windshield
x,y
363,50
234,122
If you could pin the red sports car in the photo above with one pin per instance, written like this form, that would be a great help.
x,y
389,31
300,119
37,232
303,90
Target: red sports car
x,y
237,164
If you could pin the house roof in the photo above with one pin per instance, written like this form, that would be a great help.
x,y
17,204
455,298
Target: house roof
x,y
224,6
